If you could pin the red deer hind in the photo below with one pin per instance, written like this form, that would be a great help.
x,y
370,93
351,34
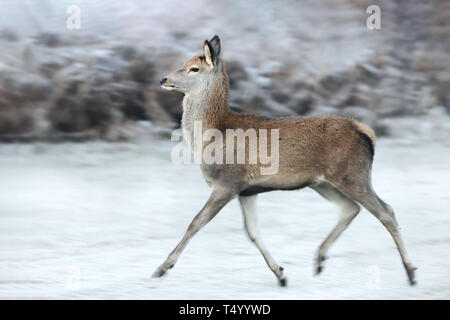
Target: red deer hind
x,y
331,155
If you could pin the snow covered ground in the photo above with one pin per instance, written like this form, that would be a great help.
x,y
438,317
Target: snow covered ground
x,y
94,220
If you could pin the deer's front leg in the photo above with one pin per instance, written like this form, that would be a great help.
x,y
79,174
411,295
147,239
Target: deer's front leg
x,y
217,200
248,205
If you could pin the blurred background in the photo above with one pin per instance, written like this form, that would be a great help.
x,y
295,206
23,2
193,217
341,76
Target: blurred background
x,y
283,58
90,202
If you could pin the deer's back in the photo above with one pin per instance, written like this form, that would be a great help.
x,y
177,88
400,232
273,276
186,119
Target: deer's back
x,y
309,147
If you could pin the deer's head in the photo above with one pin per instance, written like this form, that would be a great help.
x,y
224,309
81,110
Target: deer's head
x,y
197,73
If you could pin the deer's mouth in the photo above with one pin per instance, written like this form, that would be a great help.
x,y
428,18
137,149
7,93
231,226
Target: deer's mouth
x,y
168,86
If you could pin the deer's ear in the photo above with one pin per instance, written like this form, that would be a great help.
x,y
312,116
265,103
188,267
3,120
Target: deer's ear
x,y
209,53
212,51
215,44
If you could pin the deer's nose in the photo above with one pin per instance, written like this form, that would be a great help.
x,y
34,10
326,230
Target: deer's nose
x,y
162,80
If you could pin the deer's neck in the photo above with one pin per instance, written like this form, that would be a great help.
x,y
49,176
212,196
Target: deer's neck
x,y
206,108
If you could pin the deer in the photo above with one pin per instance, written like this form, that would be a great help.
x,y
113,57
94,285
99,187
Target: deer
x,y
331,155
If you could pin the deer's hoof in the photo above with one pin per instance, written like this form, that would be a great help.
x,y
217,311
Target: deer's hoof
x,y
319,264
282,282
411,275
158,273
318,270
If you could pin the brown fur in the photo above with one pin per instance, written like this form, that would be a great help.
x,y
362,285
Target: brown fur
x,y
198,59
310,147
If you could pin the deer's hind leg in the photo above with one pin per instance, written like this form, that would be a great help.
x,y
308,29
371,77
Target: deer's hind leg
x,y
349,210
363,193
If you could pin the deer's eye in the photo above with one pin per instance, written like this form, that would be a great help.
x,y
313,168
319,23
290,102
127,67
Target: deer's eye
x,y
194,69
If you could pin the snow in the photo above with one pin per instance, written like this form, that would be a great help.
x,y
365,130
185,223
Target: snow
x,y
94,220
